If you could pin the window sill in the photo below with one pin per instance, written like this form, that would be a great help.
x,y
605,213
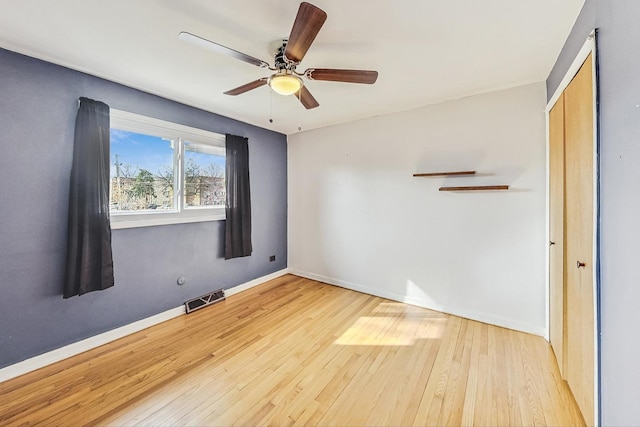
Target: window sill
x,y
119,222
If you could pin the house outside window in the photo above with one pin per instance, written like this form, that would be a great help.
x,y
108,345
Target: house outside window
x,y
164,173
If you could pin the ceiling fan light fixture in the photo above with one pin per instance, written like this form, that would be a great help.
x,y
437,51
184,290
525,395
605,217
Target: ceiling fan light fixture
x,y
288,54
285,83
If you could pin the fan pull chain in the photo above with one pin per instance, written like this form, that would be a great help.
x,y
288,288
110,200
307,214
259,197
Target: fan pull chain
x,y
270,106
299,115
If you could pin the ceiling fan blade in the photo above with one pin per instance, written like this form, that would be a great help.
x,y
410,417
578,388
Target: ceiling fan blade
x,y
348,76
305,29
306,98
218,48
247,87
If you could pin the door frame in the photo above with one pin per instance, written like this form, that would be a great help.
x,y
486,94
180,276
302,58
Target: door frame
x,y
589,47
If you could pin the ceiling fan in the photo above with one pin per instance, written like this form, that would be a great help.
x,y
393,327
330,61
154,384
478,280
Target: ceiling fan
x,y
288,55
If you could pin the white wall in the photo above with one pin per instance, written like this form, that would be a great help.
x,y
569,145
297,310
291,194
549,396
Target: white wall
x,y
357,217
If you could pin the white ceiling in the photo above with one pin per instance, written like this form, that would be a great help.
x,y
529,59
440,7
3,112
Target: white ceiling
x,y
425,51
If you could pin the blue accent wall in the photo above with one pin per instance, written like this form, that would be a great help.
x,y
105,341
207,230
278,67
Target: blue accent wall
x,y
619,160
38,104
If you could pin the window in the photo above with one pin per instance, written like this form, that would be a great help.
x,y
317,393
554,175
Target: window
x,y
164,173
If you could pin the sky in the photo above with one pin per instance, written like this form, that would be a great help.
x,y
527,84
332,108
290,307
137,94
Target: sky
x,y
152,153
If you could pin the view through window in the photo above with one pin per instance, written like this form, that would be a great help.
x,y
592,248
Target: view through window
x,y
203,175
160,167
142,172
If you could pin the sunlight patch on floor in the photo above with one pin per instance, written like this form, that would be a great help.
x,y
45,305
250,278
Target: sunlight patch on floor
x,y
394,325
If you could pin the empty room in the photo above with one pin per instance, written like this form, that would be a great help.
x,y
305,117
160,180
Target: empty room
x,y
356,213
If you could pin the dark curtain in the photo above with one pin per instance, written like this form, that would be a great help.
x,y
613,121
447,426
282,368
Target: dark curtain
x,y
89,261
237,241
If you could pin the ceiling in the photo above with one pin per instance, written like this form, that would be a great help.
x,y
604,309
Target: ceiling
x,y
426,51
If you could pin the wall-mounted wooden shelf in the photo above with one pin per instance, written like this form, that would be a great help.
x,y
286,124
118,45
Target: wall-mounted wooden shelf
x,y
445,173
467,188
476,188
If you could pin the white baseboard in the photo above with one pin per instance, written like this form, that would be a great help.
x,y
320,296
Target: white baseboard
x,y
67,351
78,347
480,317
255,282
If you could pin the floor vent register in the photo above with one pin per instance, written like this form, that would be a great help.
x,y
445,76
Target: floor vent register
x,y
204,300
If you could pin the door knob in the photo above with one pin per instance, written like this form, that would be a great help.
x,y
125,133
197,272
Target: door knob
x,y
580,264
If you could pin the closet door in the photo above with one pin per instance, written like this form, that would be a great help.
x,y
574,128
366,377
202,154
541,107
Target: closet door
x,y
556,231
579,239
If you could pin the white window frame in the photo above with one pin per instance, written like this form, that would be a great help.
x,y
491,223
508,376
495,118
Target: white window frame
x,y
131,122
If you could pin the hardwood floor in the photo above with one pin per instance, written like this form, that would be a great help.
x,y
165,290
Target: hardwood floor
x,y
298,352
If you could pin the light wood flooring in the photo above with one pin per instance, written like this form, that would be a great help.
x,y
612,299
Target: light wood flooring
x,y
294,351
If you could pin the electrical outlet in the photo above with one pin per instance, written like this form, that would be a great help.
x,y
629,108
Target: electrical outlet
x,y
272,258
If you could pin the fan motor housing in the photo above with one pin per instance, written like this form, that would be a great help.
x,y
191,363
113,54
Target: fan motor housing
x,y
281,62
